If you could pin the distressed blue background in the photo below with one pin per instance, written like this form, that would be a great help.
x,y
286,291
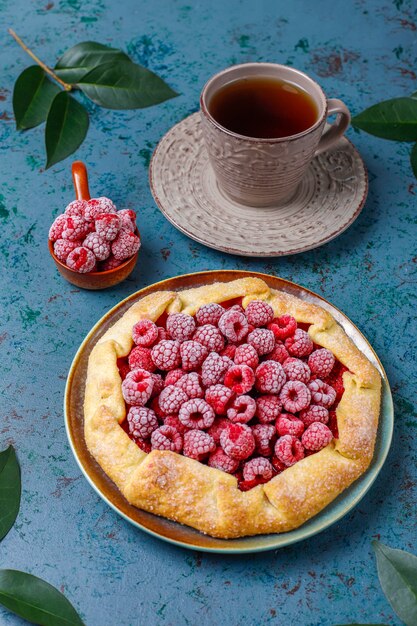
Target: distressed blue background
x,y
362,52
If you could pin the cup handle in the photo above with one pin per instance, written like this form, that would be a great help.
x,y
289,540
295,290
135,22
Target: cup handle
x,y
80,180
337,129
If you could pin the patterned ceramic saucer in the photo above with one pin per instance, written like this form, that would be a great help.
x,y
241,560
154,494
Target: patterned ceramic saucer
x,y
327,201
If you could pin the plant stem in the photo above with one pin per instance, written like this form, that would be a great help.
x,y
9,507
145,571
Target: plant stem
x,y
47,69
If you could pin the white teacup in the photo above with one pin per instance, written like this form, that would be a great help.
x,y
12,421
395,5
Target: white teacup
x,y
266,171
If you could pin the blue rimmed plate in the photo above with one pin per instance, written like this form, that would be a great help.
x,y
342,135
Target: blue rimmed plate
x,y
183,535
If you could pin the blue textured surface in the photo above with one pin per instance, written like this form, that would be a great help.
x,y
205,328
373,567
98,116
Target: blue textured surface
x,y
362,51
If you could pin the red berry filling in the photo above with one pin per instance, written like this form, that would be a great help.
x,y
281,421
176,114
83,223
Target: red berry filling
x,y
238,390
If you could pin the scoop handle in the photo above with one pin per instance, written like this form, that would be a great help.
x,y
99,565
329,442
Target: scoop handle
x,y
80,180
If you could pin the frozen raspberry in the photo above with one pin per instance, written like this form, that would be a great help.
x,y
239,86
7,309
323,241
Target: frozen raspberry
x,y
55,232
278,465
335,380
259,313
299,344
110,263
81,260
256,468
141,357
196,413
279,353
107,225
145,333
288,424
173,377
229,351
166,355
180,326
158,384
262,340
171,399
219,460
236,307
268,408
316,437
192,355
173,420
163,334
142,422
269,377
246,354
264,435
209,314
76,207
283,326
295,396
125,245
75,228
62,248
321,393
198,444
240,378
216,428
127,219
295,369
99,246
321,362
210,337
314,413
214,369
289,450
237,441
137,387
233,325
166,438
219,398
95,206
191,385
242,410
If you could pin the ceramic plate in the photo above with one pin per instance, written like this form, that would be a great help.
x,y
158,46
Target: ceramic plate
x,y
327,201
177,533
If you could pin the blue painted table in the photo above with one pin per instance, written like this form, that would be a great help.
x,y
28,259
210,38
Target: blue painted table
x,y
362,52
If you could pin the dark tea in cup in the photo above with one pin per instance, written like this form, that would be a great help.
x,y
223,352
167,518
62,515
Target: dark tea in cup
x,y
264,107
262,124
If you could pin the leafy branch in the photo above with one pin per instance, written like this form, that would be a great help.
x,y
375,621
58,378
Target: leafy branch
x,y
26,595
106,75
394,119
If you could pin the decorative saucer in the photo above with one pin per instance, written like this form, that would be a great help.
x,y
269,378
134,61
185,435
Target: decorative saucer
x,y
327,201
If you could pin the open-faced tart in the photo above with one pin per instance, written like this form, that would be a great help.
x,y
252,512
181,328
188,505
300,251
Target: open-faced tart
x,y
233,408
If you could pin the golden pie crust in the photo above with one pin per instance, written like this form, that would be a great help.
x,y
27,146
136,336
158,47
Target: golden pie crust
x,y
187,491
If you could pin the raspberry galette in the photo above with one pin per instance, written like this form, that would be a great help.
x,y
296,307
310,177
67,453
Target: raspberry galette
x,y
233,408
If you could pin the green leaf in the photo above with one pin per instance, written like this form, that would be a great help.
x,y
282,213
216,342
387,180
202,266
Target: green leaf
x,y
125,85
394,119
413,159
10,490
66,128
397,571
81,58
32,96
36,600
